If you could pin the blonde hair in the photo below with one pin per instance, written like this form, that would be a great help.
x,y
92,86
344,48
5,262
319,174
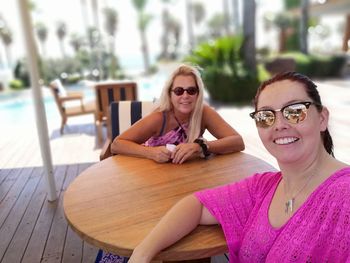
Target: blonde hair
x,y
165,104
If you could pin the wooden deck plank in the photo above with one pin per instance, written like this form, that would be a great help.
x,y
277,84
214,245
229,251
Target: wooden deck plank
x,y
56,239
14,218
21,237
9,156
36,245
89,251
12,174
75,248
21,177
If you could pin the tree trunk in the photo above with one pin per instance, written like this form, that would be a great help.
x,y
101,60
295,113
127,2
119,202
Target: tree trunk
x,y
8,56
62,48
235,16
95,14
249,50
189,13
145,51
282,40
226,17
85,17
43,48
346,34
304,26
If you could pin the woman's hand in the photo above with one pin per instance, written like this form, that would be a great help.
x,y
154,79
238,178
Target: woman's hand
x,y
136,258
159,154
185,151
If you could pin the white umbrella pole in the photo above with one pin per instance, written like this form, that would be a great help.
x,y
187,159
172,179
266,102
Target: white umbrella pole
x,y
38,98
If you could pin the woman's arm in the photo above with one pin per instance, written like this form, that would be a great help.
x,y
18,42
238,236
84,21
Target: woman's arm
x,y
228,139
180,220
130,141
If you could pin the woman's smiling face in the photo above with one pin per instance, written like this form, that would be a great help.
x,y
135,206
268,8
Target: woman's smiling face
x,y
185,103
289,142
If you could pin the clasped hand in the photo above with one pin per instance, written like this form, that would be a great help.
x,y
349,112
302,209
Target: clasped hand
x,y
181,153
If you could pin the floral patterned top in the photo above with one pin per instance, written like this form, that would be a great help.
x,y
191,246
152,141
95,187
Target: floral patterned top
x,y
175,136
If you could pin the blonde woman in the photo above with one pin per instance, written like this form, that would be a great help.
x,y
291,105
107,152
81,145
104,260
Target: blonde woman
x,y
179,121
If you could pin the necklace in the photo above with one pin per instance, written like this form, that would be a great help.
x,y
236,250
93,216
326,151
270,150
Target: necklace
x,y
289,205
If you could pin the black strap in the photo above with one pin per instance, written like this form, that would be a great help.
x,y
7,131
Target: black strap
x,y
163,124
183,131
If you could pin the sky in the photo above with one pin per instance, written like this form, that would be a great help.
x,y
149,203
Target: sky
x,y
127,36
128,44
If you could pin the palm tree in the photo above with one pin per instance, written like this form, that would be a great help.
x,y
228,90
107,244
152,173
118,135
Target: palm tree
x,y
42,32
165,36
304,25
216,25
226,13
174,28
6,37
111,22
249,50
95,13
284,22
198,12
189,20
235,16
76,42
111,27
143,21
198,15
85,17
61,32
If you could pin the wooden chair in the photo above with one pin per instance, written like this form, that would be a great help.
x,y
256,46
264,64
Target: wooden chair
x,y
122,115
62,97
106,93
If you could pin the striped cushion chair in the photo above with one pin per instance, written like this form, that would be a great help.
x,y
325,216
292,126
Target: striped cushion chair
x,y
106,93
123,114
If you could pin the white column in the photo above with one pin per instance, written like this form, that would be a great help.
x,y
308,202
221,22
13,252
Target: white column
x,y
40,114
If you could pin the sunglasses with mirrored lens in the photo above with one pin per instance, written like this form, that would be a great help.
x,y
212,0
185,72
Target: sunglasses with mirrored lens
x,y
293,113
190,91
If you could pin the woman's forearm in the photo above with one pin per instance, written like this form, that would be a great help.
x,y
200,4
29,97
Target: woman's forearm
x,y
130,148
233,143
180,220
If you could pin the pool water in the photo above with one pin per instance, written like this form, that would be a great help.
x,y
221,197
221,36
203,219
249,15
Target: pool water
x,y
16,107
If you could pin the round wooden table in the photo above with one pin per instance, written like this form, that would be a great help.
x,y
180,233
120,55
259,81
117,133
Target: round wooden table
x,y
116,202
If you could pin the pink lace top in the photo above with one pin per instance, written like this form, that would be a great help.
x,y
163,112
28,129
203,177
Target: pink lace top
x,y
319,231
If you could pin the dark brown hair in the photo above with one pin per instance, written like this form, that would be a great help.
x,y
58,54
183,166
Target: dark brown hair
x,y
312,92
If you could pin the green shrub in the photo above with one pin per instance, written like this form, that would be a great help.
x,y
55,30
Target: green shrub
x,y
73,78
21,72
16,84
317,65
225,77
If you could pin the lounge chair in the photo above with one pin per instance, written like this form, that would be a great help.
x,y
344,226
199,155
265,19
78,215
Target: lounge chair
x,y
62,97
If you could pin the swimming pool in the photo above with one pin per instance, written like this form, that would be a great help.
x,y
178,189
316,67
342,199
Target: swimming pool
x,y
16,107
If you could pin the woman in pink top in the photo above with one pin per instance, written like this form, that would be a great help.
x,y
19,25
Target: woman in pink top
x,y
300,214
180,120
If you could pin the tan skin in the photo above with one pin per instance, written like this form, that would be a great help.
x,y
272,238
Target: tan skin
x,y
303,155
130,142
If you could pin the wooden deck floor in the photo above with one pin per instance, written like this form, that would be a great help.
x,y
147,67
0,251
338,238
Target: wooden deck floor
x,y
35,230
